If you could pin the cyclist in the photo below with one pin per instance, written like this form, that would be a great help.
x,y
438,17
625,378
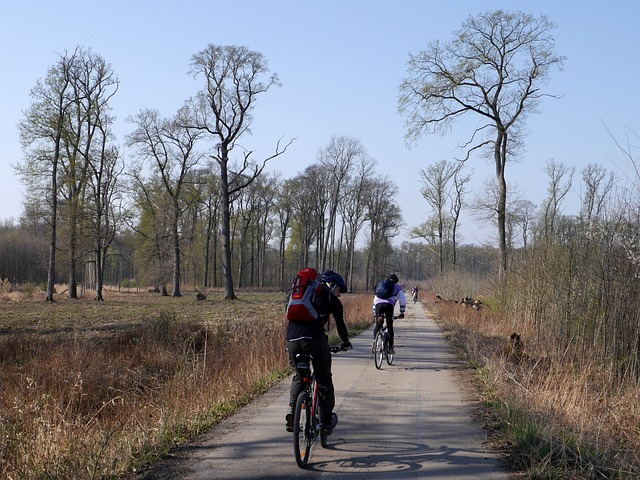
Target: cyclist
x,y
385,306
414,293
310,337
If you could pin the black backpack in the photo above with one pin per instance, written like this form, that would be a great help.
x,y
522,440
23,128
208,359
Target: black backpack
x,y
385,288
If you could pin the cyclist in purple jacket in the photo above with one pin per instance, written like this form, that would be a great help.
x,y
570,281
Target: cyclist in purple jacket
x,y
385,306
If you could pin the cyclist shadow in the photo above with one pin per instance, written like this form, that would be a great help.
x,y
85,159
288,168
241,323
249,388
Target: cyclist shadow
x,y
403,458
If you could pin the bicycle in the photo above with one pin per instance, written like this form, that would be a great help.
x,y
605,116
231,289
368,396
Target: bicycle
x,y
307,416
381,344
415,297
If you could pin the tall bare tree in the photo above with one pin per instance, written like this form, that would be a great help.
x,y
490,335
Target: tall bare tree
x,y
285,193
234,77
385,220
598,184
459,182
436,190
94,84
560,181
105,193
169,145
63,129
338,158
41,135
353,209
493,68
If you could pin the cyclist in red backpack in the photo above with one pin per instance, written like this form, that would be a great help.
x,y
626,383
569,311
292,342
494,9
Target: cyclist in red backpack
x,y
384,305
311,337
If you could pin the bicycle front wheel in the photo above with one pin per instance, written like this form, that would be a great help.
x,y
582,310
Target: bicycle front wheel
x,y
302,429
378,351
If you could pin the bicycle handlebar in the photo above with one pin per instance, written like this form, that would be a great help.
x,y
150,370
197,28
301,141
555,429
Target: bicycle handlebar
x,y
340,348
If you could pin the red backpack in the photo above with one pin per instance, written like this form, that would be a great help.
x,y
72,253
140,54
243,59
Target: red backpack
x,y
304,297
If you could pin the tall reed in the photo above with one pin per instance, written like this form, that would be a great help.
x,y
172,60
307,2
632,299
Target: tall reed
x,y
561,418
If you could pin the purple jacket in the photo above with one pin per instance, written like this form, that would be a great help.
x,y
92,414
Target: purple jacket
x,y
398,296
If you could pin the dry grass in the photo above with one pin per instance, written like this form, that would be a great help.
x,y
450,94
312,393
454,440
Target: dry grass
x,y
558,420
98,389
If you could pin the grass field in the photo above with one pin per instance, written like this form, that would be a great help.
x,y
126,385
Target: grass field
x,y
100,389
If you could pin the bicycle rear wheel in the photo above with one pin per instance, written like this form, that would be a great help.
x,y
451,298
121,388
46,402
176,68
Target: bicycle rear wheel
x,y
390,357
302,429
378,351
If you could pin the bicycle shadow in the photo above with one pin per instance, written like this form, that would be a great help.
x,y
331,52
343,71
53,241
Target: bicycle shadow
x,y
403,459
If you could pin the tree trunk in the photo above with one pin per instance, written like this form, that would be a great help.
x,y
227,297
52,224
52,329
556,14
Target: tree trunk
x,y
229,293
176,249
51,274
73,247
101,254
500,153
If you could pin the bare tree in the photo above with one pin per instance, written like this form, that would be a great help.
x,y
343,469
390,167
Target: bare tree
x,y
338,158
105,192
310,204
41,135
284,216
94,84
63,129
436,191
234,77
385,220
169,144
353,209
493,68
523,215
598,186
560,181
459,182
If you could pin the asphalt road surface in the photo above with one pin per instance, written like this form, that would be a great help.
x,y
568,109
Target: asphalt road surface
x,y
411,420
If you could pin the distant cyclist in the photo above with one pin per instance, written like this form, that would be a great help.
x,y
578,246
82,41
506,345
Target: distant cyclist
x,y
386,306
414,293
310,337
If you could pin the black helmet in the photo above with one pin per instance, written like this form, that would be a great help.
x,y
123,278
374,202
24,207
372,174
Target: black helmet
x,y
329,276
394,278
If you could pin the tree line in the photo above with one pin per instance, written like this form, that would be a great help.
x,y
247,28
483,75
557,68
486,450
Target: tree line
x,y
180,209
188,168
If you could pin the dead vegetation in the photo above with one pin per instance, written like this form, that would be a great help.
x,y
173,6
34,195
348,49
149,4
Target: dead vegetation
x,y
557,418
99,389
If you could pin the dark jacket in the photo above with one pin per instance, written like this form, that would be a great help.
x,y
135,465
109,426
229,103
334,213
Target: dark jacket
x,y
329,305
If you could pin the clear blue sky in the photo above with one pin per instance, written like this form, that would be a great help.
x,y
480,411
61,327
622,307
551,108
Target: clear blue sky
x,y
340,63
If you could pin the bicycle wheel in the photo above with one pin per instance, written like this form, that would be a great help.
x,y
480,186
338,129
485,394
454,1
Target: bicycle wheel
x,y
387,353
390,357
302,429
378,352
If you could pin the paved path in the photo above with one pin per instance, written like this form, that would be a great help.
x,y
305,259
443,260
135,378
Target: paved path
x,y
411,420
